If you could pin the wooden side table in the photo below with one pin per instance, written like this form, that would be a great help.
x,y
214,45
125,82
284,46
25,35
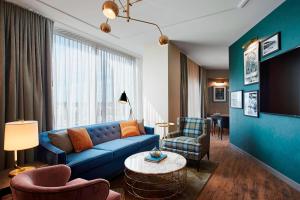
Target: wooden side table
x,y
164,125
5,179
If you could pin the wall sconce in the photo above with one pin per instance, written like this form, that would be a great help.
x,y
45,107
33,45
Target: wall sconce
x,y
219,83
250,42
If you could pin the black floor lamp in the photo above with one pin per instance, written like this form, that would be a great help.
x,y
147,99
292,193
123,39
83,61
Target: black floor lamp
x,y
124,99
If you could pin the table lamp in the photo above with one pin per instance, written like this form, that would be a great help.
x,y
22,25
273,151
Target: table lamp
x,y
20,135
124,99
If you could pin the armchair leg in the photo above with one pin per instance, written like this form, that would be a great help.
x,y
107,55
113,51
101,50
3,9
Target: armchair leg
x,y
207,155
221,133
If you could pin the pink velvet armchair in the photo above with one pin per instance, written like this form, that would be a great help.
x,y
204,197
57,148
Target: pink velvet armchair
x,y
51,183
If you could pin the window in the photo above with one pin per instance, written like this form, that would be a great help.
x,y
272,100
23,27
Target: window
x,y
88,80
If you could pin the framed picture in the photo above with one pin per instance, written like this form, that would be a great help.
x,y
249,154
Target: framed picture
x,y
251,103
271,44
236,99
251,64
219,94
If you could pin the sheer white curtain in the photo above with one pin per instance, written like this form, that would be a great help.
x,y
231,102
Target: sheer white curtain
x,y
194,101
87,82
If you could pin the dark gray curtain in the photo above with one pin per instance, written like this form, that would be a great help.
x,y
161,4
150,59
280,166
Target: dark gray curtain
x,y
203,92
183,86
25,72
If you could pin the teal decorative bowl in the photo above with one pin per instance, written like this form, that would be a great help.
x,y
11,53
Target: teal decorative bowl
x,y
155,153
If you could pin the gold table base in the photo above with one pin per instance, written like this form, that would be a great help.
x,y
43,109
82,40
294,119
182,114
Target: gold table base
x,y
20,170
155,186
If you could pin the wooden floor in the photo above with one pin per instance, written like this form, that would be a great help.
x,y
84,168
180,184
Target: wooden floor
x,y
239,177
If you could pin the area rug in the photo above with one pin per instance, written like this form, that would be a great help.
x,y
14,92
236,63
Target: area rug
x,y
195,181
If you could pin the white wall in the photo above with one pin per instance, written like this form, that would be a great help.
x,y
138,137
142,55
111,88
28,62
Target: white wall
x,y
155,85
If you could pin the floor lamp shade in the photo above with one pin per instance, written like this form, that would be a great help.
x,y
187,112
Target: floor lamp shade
x,y
21,135
123,98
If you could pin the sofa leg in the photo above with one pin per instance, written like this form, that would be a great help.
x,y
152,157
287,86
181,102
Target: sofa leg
x,y
198,166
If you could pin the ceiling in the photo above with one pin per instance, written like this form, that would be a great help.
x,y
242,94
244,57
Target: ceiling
x,y
203,29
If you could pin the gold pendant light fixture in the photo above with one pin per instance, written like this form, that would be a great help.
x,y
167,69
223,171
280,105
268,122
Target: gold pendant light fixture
x,y
111,11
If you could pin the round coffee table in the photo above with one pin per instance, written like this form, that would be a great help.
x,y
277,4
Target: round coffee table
x,y
147,180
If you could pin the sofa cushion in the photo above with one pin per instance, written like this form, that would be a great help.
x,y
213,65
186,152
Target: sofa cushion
x,y
88,159
182,143
119,147
129,128
80,139
61,140
144,140
141,127
191,127
101,133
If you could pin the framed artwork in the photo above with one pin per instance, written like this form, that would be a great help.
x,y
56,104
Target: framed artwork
x,y
271,44
251,64
236,99
251,103
219,94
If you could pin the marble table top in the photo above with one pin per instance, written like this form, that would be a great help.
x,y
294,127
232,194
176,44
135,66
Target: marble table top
x,y
172,163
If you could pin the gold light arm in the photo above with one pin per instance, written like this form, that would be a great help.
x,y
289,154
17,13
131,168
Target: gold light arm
x,y
130,3
142,21
134,2
111,5
123,7
127,10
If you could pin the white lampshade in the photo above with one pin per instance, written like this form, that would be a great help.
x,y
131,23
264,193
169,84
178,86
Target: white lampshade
x,y
21,135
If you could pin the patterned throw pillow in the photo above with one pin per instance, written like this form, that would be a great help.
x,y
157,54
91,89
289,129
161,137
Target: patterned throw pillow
x,y
80,139
61,140
129,128
191,127
141,127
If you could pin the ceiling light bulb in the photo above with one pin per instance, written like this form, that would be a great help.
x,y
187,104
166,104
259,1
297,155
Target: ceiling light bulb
x,y
163,39
105,27
110,9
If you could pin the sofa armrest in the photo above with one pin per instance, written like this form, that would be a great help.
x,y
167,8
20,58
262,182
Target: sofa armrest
x,y
149,130
201,139
50,154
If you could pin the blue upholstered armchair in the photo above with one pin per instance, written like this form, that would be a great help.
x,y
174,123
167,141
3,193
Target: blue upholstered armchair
x,y
191,140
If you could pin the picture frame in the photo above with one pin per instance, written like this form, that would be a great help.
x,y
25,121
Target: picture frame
x,y
219,94
251,64
251,104
271,45
236,99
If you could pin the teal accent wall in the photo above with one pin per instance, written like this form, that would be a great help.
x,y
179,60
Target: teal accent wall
x,y
273,139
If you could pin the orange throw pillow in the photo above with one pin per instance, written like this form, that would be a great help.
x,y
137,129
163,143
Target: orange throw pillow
x,y
129,129
80,139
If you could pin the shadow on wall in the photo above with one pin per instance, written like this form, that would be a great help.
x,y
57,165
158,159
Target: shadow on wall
x,y
152,116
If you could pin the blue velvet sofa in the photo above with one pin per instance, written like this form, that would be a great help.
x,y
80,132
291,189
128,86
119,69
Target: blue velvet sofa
x,y
106,158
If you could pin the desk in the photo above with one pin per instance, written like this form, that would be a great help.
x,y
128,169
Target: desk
x,y
5,179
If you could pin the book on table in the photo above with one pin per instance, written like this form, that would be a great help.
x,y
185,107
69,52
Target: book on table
x,y
150,158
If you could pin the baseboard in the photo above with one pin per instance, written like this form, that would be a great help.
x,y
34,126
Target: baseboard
x,y
276,173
